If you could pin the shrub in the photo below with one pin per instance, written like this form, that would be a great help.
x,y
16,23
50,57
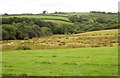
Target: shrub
x,y
54,56
101,20
63,43
60,44
26,38
23,47
73,18
67,38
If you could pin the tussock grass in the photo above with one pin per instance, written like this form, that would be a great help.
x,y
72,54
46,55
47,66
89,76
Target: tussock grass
x,y
89,39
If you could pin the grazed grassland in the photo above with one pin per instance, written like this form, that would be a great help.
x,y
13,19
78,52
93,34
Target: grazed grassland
x,y
62,62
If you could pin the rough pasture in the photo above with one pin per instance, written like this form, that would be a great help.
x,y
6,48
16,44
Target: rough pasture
x,y
89,39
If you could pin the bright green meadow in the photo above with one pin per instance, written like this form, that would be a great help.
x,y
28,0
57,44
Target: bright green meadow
x,y
62,62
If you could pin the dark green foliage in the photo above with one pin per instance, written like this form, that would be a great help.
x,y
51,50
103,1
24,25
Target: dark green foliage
x,y
20,35
0,32
26,28
98,12
23,47
5,14
80,19
73,18
56,12
10,31
44,12
92,23
101,20
5,34
45,31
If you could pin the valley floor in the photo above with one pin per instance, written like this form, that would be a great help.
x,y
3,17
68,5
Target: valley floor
x,y
62,62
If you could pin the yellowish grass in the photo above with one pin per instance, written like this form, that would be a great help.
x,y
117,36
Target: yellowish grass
x,y
89,39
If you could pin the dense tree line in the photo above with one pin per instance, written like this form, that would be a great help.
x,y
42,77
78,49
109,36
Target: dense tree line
x,y
92,24
84,19
25,28
102,12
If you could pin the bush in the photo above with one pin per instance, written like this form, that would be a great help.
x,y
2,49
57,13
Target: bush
x,y
23,47
62,43
73,18
26,38
101,20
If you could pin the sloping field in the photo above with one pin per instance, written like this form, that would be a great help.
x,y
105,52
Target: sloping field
x,y
89,39
44,17
64,17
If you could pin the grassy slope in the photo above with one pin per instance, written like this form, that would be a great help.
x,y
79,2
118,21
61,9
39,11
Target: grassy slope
x,y
89,39
51,16
67,62
62,17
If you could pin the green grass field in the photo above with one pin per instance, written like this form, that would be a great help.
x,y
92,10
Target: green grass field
x,y
62,62
40,16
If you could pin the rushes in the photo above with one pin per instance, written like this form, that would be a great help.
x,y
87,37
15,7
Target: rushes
x,y
89,39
